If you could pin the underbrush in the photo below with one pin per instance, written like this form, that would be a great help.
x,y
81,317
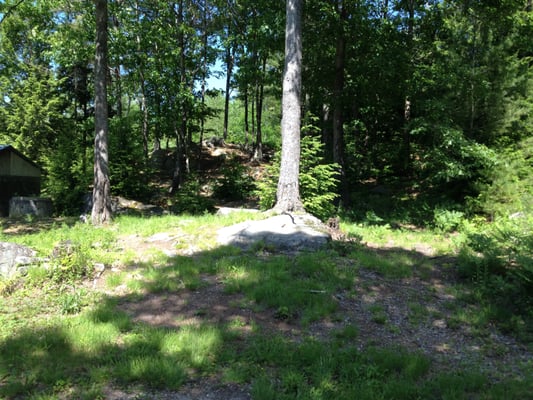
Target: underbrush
x,y
497,260
60,338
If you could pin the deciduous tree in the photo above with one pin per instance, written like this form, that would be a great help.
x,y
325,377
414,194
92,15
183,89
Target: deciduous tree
x,y
101,211
288,193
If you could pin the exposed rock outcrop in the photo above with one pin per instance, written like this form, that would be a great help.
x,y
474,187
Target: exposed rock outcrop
x,y
285,232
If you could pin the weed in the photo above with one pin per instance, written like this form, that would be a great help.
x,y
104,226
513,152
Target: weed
x,y
72,301
379,316
94,344
418,313
115,279
347,333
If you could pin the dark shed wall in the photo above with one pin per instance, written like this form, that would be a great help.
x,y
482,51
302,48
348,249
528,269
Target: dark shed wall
x,y
14,164
18,177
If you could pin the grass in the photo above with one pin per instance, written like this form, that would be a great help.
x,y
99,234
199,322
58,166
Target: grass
x,y
62,339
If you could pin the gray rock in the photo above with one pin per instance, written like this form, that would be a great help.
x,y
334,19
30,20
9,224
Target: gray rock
x,y
37,206
285,233
14,259
230,210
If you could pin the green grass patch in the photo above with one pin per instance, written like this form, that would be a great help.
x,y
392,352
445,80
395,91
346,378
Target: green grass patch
x,y
300,287
393,264
61,339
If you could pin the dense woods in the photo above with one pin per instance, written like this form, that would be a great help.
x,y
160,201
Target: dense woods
x,y
435,95
405,125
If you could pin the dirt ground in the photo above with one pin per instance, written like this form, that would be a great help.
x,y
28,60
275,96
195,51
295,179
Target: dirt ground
x,y
432,333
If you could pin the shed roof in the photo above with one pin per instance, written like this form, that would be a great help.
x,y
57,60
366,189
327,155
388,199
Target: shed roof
x,y
8,147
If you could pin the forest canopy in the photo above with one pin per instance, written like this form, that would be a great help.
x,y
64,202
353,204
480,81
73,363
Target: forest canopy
x,y
434,95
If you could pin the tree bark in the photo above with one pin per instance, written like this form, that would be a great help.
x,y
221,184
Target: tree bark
x,y
288,191
338,109
229,71
246,118
259,97
181,130
101,211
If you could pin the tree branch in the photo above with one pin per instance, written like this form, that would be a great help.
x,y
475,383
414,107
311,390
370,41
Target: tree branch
x,y
10,10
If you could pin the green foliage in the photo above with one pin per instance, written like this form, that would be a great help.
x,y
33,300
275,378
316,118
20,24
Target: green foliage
x,y
447,220
128,171
69,263
498,260
510,187
190,200
318,180
235,182
69,172
452,157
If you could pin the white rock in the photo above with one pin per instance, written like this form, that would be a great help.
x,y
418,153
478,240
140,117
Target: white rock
x,y
285,232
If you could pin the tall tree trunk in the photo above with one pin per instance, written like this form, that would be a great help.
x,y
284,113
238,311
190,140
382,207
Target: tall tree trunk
x,y
246,118
142,101
116,69
338,110
159,112
229,71
258,152
181,132
406,134
144,110
101,211
204,81
288,191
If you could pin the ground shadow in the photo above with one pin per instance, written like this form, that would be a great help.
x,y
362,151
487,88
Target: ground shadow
x,y
239,324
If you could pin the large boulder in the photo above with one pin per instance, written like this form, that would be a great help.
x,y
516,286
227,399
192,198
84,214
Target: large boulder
x,y
14,259
285,232
37,206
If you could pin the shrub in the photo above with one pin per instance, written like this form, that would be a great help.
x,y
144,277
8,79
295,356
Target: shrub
x,y
499,262
189,199
511,183
235,183
446,220
318,180
69,263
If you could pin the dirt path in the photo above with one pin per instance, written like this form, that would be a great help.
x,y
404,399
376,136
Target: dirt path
x,y
415,313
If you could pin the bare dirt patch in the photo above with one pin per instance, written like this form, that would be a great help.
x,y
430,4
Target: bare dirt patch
x,y
415,313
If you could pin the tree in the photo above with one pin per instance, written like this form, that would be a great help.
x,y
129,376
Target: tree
x,y
101,212
338,89
288,193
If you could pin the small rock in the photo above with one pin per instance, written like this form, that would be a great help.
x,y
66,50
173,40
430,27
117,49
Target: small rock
x,y
99,267
14,259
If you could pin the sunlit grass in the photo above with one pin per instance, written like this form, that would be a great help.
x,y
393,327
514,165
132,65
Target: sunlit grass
x,y
408,239
390,265
92,239
115,279
48,355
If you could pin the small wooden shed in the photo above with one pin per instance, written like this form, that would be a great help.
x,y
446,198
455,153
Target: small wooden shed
x,y
19,176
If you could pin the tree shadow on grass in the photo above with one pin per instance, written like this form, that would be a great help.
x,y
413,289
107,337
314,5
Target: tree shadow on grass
x,y
31,225
271,325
